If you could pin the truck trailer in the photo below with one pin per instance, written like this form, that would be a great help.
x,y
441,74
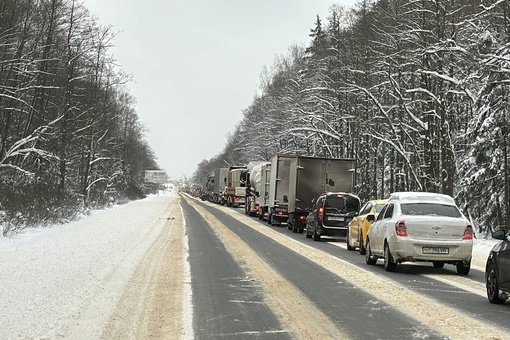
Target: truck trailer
x,y
297,180
218,186
236,185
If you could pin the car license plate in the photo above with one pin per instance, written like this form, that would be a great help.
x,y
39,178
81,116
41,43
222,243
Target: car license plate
x,y
333,218
435,250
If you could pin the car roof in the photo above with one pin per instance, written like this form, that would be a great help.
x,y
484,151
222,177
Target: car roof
x,y
379,201
340,193
428,197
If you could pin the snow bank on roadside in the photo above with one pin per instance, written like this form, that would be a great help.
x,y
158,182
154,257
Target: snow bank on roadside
x,y
50,277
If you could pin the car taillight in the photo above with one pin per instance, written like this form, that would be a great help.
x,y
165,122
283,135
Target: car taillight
x,y
279,213
302,217
468,233
400,228
257,207
321,213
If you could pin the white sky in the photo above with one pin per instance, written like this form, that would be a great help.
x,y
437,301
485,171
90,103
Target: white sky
x,y
196,64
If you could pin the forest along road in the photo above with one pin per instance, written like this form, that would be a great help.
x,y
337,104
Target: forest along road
x,y
173,267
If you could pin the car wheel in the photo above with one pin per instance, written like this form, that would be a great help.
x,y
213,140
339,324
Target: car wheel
x,y
438,264
316,237
348,240
389,264
369,258
307,232
362,249
491,283
463,268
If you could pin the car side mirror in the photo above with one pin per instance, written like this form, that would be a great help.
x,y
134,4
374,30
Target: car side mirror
x,y
499,235
351,214
370,218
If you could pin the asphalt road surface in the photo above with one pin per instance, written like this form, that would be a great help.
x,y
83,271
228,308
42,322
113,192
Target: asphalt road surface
x,y
250,280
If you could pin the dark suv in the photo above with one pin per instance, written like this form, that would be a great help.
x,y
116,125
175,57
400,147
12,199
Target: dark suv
x,y
497,269
330,214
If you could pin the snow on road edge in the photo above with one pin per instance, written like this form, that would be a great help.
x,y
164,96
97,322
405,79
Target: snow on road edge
x,y
187,315
52,279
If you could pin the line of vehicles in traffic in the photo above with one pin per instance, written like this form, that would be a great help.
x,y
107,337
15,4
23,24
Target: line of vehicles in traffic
x,y
315,196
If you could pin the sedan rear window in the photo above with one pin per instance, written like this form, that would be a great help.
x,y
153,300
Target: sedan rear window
x,y
430,209
343,203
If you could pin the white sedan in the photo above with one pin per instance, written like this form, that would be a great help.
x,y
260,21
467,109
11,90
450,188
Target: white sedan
x,y
419,226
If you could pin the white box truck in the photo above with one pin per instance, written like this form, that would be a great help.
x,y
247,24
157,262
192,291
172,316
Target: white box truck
x,y
297,180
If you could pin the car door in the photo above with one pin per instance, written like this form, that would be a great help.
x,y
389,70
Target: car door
x,y
311,215
315,213
387,226
357,221
504,265
375,232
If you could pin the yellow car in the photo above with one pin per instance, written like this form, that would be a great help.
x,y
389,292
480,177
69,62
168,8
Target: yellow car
x,y
358,227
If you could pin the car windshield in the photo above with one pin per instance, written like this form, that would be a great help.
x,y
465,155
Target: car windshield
x,y
430,209
343,203
378,208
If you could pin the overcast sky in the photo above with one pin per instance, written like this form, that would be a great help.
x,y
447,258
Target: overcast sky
x,y
196,64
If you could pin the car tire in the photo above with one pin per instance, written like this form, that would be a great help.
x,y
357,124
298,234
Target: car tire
x,y
491,284
307,232
389,264
369,258
462,268
438,264
348,240
362,249
316,237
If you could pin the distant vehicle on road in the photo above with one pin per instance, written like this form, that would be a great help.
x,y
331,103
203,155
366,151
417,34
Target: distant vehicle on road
x,y
236,186
497,269
419,226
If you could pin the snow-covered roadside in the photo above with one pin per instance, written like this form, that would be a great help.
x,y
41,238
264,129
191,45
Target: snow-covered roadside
x,y
50,277
481,250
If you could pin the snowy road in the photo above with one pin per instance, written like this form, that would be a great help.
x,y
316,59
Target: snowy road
x,y
127,273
